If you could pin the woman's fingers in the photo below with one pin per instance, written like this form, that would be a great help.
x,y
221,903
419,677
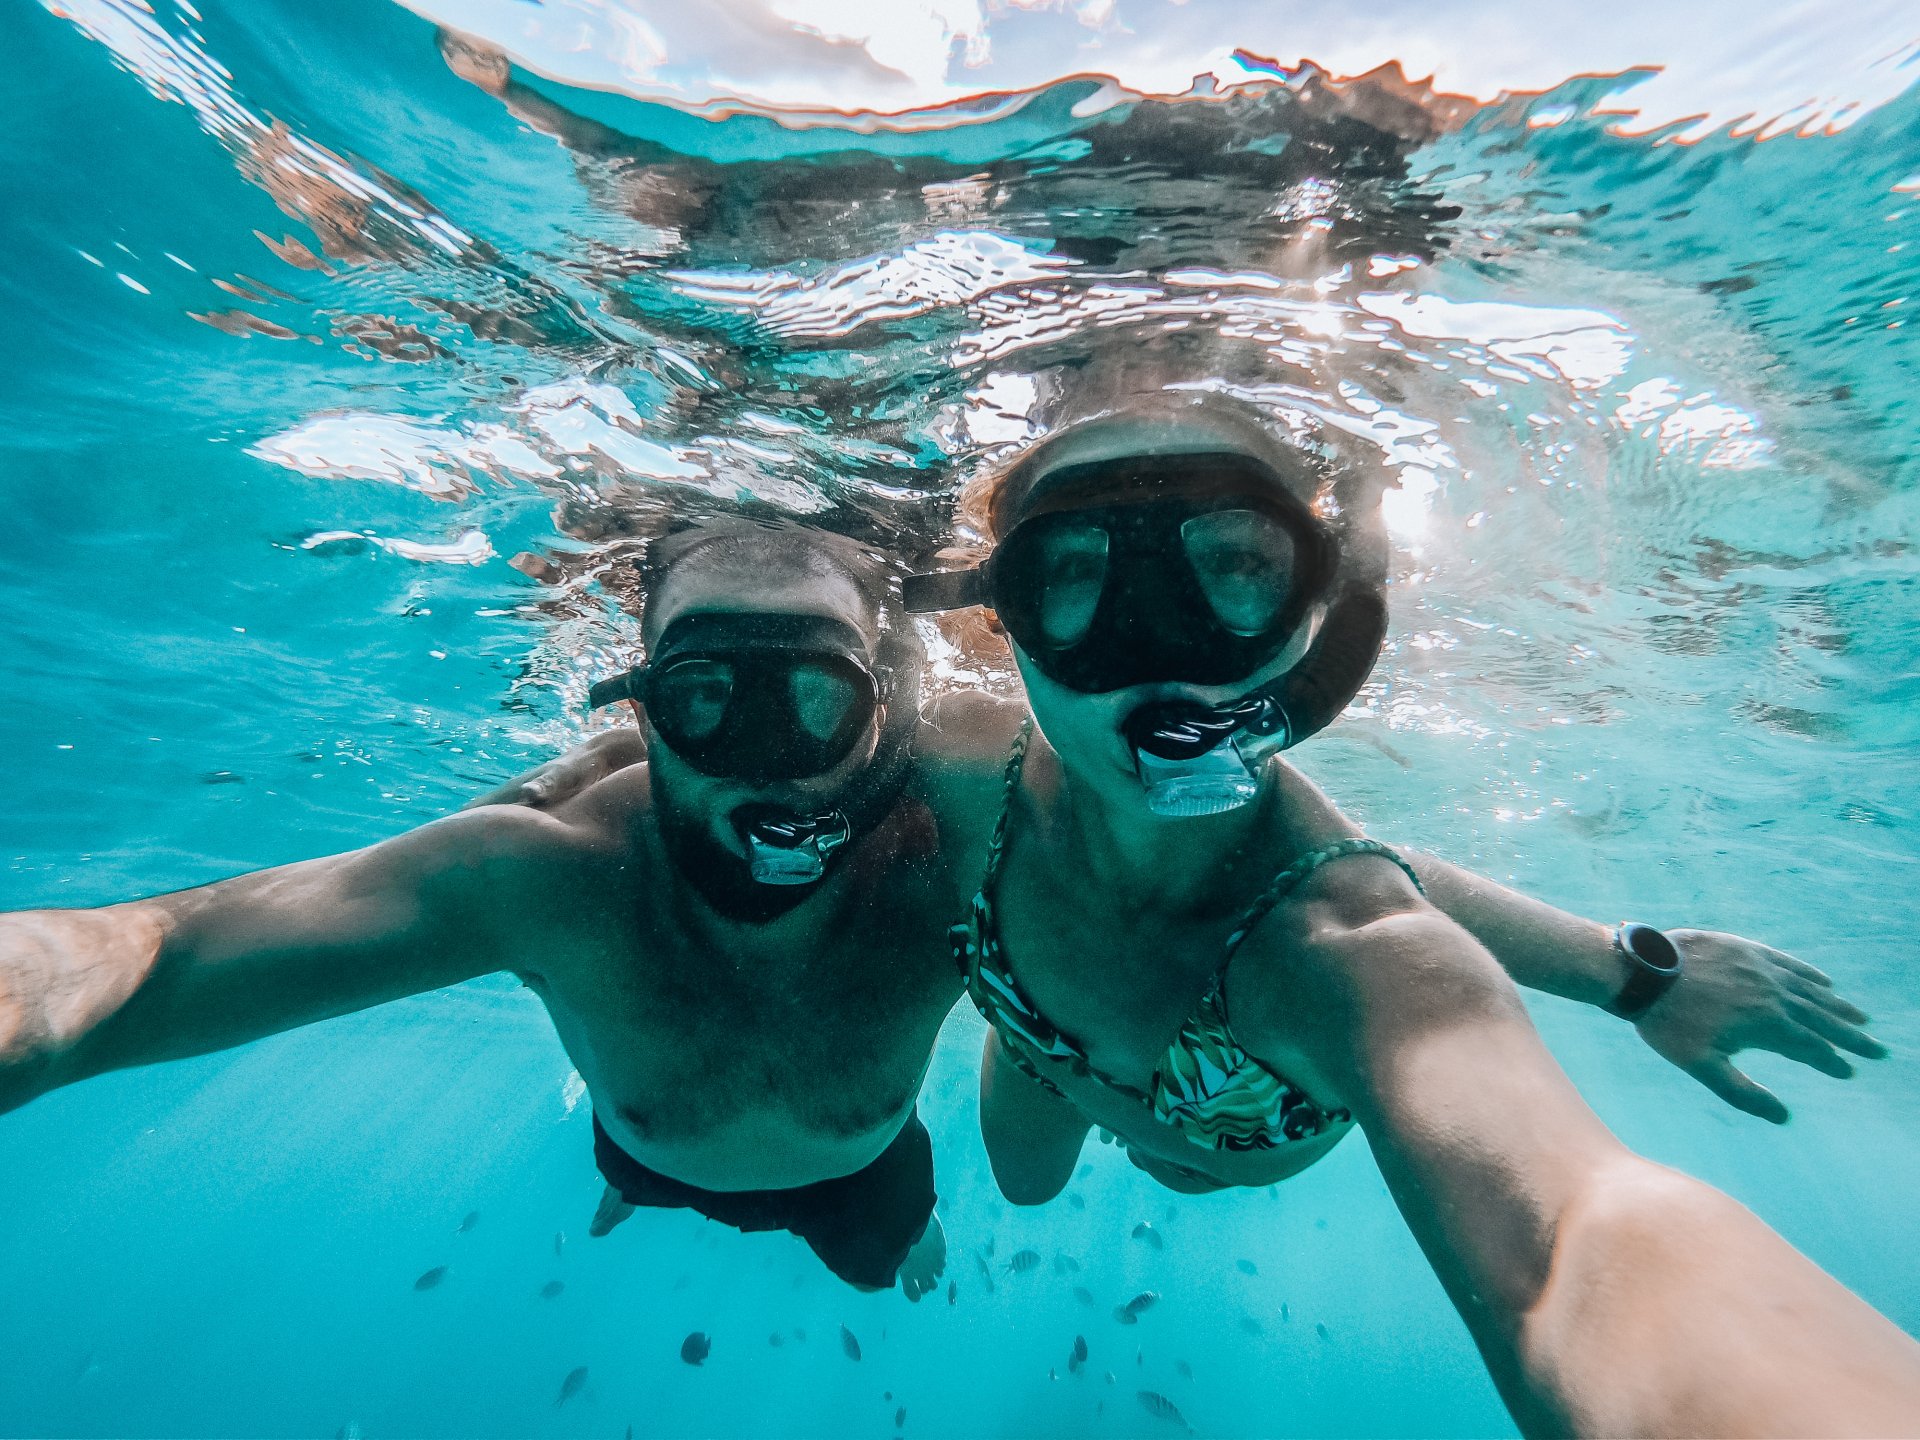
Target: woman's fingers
x,y
1790,1038
1832,1027
1719,1076
1810,973
1831,1001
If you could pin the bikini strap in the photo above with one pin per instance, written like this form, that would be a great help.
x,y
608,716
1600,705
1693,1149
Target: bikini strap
x,y
997,844
1289,879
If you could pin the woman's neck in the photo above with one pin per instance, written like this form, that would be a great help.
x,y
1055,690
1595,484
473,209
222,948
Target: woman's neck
x,y
1152,862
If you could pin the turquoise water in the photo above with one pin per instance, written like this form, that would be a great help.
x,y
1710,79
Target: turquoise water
x,y
1656,651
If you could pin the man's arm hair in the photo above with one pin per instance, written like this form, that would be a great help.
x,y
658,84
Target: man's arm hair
x,y
87,991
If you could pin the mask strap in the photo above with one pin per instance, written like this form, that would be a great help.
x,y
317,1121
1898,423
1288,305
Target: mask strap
x,y
943,590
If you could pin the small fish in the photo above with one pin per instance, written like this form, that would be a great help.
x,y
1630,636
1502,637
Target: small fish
x,y
1161,1408
1321,1331
1141,1303
432,1278
849,1344
987,1249
1186,1370
776,1339
1246,1267
953,1292
1084,1295
799,1334
900,1417
552,1289
986,1272
1284,1317
1022,1261
575,1382
1320,1224
1110,1379
473,1219
1145,1231
1086,1171
696,1348
1140,1357
1100,1407
1052,1374
1076,1202
1065,1265
348,1431
887,1395
1252,1326
1079,1349
1125,1316
559,1242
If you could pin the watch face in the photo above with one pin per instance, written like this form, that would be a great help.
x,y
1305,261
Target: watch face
x,y
1649,947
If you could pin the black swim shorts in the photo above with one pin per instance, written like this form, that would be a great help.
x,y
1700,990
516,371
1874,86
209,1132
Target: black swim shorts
x,y
862,1225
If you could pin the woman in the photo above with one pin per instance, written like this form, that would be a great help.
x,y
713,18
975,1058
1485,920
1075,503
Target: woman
x,y
1178,940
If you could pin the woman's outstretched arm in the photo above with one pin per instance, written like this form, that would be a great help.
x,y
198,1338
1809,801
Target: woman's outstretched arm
x,y
1609,1295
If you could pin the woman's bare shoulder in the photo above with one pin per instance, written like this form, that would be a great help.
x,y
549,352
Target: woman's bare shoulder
x,y
965,727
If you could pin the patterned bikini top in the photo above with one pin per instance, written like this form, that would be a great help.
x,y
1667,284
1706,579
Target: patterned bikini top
x,y
1207,1086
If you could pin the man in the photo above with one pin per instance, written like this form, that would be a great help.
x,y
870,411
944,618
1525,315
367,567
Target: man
x,y
753,1049
740,941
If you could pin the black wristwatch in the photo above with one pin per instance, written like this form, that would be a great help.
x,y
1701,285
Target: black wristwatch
x,y
1653,965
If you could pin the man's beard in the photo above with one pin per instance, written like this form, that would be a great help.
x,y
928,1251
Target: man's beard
x,y
719,877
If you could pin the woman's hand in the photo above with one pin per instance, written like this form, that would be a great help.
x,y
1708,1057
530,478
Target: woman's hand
x,y
1735,995
565,776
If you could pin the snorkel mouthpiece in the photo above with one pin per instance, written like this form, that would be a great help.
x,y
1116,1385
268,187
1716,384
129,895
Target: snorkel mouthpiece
x,y
788,849
1198,759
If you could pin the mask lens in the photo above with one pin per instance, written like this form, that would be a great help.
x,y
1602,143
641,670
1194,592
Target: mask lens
x,y
822,699
1244,561
690,697
1072,559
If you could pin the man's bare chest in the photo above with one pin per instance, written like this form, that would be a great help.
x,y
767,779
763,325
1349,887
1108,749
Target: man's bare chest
x,y
832,1020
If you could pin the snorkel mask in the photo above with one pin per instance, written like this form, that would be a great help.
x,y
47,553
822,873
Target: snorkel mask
x,y
1202,567
762,698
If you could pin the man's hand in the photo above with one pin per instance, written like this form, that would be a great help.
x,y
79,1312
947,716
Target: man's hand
x,y
1735,995
564,777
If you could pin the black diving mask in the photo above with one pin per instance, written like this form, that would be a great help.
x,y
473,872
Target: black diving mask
x,y
754,698
1196,568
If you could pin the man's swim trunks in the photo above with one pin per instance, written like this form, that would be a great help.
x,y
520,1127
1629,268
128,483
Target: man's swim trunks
x,y
862,1225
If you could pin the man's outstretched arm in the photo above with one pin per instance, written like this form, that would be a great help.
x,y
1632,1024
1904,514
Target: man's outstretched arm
x,y
87,991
